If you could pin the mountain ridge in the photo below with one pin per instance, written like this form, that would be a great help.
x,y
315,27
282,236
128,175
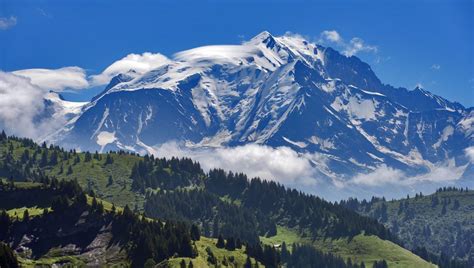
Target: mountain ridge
x,y
277,91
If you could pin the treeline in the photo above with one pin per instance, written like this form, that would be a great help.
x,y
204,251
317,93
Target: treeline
x,y
293,208
152,240
144,239
405,221
234,206
301,255
269,199
35,159
212,214
165,174
452,189
441,260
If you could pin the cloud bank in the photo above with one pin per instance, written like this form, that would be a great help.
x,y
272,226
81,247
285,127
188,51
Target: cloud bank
x,y
281,164
350,48
284,165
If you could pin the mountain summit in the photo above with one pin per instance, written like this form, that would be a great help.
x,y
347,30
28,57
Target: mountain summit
x,y
276,91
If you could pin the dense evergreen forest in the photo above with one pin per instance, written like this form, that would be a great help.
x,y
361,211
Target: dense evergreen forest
x,y
179,202
146,241
439,227
143,239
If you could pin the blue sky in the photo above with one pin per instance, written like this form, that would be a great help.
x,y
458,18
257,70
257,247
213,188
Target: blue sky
x,y
417,42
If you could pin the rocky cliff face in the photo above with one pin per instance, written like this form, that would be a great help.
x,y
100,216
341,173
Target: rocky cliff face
x,y
276,91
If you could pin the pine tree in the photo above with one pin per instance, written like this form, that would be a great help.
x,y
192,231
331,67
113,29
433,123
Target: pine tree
x,y
69,170
3,136
230,244
285,254
110,181
44,158
109,160
456,204
77,160
7,257
220,242
248,262
26,216
443,210
54,158
87,157
150,263
195,234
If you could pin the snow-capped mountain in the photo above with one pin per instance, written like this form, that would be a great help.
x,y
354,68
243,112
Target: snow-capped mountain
x,y
276,91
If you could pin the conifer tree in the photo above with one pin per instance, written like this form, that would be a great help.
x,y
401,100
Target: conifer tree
x,y
87,157
195,234
109,160
26,216
69,170
220,242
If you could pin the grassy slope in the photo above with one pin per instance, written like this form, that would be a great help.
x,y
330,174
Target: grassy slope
x,y
94,175
201,260
56,255
444,228
361,248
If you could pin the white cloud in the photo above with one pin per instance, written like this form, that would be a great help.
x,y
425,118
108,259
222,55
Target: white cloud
x,y
435,67
140,63
470,153
383,176
331,36
380,176
357,45
281,164
20,102
354,46
22,108
56,79
7,23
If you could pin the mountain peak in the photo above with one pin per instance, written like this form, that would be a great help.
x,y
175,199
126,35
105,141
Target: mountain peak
x,y
264,38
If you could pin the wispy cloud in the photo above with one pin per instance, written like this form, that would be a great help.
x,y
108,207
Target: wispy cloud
x,y
380,59
139,63
349,48
7,22
44,13
470,153
384,175
56,79
435,67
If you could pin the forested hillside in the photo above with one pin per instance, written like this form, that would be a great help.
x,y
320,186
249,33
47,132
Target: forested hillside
x,y
228,208
442,222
